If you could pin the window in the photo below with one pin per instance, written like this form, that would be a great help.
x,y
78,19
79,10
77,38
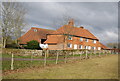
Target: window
x,y
99,48
80,46
81,39
89,47
86,47
35,30
86,40
69,45
93,48
94,41
69,38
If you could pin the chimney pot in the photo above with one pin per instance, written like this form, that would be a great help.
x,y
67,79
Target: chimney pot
x,y
82,27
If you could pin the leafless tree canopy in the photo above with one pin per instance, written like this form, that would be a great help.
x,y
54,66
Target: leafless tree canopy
x,y
12,19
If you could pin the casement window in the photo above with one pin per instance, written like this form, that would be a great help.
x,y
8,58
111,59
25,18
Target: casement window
x,y
69,37
94,41
80,46
94,48
35,30
86,47
81,39
89,47
86,40
69,45
99,48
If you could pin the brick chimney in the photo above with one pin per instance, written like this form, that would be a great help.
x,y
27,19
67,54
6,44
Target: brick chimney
x,y
71,22
82,27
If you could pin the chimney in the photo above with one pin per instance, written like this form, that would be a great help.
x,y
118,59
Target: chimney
x,y
82,27
71,22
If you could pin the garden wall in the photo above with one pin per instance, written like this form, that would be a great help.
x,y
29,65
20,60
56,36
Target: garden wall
x,y
23,52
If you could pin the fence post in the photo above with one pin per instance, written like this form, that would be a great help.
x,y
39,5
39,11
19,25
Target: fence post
x,y
86,54
12,61
65,57
57,57
80,55
45,57
32,57
73,54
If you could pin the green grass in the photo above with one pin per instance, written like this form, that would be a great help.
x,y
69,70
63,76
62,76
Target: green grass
x,y
96,68
35,63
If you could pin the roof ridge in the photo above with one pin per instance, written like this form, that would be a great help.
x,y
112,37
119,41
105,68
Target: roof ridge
x,y
42,28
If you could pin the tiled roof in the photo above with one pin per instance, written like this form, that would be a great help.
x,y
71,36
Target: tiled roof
x,y
103,46
34,34
66,29
54,39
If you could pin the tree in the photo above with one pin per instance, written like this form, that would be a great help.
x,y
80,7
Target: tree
x,y
33,45
112,45
12,20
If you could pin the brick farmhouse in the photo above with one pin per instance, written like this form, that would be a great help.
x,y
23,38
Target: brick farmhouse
x,y
66,37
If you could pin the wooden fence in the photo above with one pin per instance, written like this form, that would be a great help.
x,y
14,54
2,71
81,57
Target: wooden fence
x,y
63,55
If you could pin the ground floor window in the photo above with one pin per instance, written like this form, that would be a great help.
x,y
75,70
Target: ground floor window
x,y
80,46
86,47
99,48
69,45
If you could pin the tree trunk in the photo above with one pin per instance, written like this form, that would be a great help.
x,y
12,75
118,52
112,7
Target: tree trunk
x,y
4,42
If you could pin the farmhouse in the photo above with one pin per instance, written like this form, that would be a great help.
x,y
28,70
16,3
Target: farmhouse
x,y
66,37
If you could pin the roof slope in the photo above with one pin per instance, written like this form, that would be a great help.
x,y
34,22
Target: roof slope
x,y
66,29
103,46
34,34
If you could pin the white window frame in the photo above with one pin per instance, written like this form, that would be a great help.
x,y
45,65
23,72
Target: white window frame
x,y
89,47
80,46
70,45
69,37
99,48
86,40
94,41
35,30
94,48
81,39
86,47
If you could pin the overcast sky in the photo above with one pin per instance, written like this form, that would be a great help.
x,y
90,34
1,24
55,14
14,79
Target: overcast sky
x,y
100,18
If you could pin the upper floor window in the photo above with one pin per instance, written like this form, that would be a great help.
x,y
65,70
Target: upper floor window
x,y
69,45
86,40
94,41
81,39
69,37
35,30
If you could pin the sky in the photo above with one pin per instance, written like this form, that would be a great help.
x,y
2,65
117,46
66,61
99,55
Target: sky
x,y
100,18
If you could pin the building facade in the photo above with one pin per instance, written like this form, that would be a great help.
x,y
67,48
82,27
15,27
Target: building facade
x,y
66,37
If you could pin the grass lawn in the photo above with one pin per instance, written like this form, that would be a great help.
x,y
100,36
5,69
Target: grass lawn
x,y
105,67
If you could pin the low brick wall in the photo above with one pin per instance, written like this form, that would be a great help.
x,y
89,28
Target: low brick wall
x,y
23,52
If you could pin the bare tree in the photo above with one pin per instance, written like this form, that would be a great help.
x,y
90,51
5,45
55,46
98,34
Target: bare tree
x,y
12,20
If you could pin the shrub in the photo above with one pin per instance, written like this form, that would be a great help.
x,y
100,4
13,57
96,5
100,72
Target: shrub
x,y
32,45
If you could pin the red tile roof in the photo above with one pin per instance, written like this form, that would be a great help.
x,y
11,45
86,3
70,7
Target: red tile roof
x,y
34,34
103,46
66,29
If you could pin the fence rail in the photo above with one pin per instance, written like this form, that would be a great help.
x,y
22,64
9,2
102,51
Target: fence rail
x,y
50,57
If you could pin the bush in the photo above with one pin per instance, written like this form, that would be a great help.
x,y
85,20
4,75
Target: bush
x,y
12,45
32,45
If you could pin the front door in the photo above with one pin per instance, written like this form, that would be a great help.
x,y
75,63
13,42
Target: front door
x,y
75,46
